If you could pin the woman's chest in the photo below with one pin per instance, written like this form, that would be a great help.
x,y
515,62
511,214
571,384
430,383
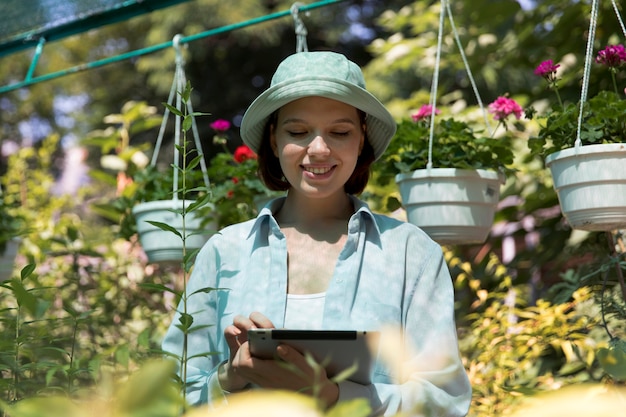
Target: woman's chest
x,y
311,263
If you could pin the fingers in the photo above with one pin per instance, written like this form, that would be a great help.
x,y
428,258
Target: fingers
x,y
231,334
261,321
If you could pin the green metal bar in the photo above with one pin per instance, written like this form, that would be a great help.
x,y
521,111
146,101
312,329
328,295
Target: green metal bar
x,y
155,48
33,64
117,13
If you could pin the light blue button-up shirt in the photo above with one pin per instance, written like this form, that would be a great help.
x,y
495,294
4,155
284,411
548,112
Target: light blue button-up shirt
x,y
389,275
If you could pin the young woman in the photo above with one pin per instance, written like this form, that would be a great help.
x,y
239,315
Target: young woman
x,y
320,259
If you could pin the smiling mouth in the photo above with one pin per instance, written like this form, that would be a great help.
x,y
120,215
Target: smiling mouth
x,y
318,170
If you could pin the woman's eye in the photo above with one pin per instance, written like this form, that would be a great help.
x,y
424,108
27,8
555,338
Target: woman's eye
x,y
342,133
296,133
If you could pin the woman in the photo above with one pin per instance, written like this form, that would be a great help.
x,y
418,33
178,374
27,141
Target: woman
x,y
320,259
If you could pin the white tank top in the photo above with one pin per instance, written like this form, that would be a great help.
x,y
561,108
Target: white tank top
x,y
304,311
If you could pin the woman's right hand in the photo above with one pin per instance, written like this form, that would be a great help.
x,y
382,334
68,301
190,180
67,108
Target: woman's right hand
x,y
236,336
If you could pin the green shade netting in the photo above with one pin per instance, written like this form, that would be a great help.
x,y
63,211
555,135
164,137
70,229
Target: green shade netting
x,y
24,22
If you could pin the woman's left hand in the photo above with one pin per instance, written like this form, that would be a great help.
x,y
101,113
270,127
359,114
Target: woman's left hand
x,y
290,372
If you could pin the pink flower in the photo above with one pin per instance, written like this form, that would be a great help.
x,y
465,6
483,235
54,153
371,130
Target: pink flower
x,y
220,125
243,153
612,56
547,69
424,112
502,107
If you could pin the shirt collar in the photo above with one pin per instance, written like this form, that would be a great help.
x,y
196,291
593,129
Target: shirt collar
x,y
361,211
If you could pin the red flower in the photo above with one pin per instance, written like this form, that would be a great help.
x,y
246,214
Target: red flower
x,y
220,125
243,153
503,107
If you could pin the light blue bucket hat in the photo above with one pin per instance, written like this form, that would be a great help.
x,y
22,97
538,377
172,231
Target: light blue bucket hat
x,y
324,74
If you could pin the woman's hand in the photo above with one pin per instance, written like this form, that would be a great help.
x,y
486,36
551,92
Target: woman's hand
x,y
290,372
236,335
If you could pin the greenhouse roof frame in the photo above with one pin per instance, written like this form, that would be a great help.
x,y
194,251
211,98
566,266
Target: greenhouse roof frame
x,y
26,23
30,80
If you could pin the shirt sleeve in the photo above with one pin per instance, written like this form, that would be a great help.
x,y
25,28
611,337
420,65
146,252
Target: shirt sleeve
x,y
429,378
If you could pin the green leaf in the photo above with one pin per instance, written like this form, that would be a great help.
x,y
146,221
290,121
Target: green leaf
x,y
173,109
185,320
166,227
23,297
159,287
187,122
613,361
27,271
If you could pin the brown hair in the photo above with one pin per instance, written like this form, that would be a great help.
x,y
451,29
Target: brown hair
x,y
272,176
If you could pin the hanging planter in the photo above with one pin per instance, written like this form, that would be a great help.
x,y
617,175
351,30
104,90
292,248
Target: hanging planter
x,y
456,202
451,205
168,229
591,185
584,144
162,246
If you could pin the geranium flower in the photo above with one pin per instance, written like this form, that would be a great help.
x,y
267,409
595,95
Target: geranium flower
x,y
503,107
220,125
243,153
612,56
547,69
424,112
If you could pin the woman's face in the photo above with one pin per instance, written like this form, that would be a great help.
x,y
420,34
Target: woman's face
x,y
318,141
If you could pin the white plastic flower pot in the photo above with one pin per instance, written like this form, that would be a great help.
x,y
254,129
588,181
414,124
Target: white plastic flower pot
x,y
590,182
7,259
453,206
163,246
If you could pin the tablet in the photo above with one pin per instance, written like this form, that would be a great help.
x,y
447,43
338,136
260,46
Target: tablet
x,y
338,350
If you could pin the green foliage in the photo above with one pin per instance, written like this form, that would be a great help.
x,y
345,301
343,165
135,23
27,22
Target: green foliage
x,y
514,350
126,166
81,312
11,224
237,190
455,145
603,122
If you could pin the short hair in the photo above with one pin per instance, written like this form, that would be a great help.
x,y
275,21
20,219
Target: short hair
x,y
272,175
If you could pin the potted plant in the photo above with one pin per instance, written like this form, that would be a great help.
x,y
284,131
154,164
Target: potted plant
x,y
590,180
238,192
146,192
171,228
455,202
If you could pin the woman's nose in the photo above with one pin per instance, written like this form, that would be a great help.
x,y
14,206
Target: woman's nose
x,y
318,145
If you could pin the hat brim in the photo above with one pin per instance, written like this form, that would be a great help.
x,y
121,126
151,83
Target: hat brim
x,y
380,124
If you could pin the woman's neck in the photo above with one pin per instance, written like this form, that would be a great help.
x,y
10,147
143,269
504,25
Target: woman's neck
x,y
302,211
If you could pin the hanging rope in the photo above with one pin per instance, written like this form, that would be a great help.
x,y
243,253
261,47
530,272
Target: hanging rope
x,y
619,17
467,68
434,86
587,69
178,86
301,32
445,8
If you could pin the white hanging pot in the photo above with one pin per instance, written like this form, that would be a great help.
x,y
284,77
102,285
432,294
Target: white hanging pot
x,y
163,246
453,206
7,258
590,182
